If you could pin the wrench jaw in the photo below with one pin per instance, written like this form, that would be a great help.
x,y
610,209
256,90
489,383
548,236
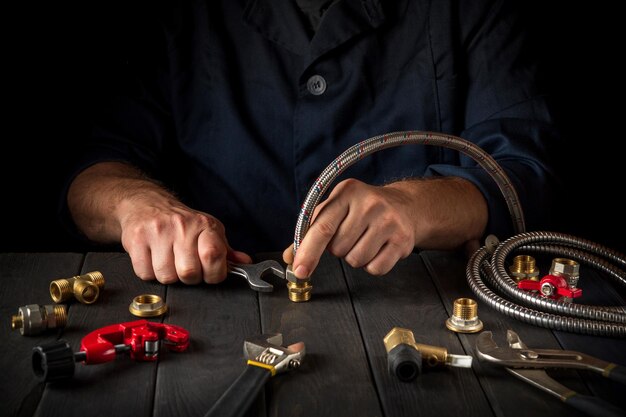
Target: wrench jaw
x,y
268,350
254,273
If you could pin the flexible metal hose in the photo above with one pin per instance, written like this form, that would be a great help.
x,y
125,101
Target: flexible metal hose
x,y
368,146
577,318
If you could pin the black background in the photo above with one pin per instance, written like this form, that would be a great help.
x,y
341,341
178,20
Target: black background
x,y
59,60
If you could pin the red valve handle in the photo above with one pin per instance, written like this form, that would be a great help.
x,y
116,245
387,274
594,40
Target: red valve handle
x,y
140,336
559,284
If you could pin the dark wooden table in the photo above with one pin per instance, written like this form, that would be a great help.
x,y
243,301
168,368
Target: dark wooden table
x,y
344,372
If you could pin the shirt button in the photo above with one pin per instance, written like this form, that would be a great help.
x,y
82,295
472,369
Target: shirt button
x,y
316,85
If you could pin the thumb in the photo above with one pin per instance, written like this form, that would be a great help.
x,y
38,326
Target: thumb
x,y
238,256
288,255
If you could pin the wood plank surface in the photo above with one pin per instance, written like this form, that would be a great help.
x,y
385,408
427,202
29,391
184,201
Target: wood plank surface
x,y
334,379
25,279
406,297
219,318
119,387
507,395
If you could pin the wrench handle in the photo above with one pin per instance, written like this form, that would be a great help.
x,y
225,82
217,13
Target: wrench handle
x,y
241,394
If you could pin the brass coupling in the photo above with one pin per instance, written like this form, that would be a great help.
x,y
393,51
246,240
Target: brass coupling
x,y
524,267
405,357
147,305
464,317
33,319
85,288
299,290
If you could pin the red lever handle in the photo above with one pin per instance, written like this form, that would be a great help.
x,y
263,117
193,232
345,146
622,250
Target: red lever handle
x,y
559,287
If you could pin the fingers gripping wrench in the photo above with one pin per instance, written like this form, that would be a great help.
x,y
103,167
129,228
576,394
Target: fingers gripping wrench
x,y
265,358
254,272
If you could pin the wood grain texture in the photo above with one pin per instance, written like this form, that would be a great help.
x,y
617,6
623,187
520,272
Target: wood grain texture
x,y
122,386
334,379
219,318
507,395
406,297
25,279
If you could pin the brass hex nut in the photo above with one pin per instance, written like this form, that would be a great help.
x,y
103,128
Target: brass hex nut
x,y
147,305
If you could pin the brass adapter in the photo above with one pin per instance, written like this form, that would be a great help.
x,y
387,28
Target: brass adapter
x,y
85,288
33,319
299,289
464,317
405,357
524,267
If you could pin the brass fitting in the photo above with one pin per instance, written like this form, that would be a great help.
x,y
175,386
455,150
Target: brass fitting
x,y
33,319
85,288
147,305
523,267
299,289
405,357
464,317
566,268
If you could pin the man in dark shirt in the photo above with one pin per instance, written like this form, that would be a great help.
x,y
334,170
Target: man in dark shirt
x,y
237,106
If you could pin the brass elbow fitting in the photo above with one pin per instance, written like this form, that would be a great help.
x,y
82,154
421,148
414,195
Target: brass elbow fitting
x,y
299,289
405,357
33,319
85,288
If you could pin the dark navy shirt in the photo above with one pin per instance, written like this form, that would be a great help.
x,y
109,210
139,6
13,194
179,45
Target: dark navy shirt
x,y
237,107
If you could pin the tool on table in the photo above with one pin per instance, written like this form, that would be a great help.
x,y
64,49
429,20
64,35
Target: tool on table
x,y
141,338
529,364
405,357
85,288
266,357
147,305
464,317
299,289
33,319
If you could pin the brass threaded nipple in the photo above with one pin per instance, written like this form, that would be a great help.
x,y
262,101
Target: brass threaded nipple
x,y
60,312
465,308
299,291
96,277
16,322
61,290
524,267
464,317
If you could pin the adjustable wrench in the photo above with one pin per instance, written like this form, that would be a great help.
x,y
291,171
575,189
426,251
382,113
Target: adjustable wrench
x,y
254,272
266,357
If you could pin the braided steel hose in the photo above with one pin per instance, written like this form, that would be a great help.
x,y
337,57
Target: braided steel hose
x,y
576,318
368,146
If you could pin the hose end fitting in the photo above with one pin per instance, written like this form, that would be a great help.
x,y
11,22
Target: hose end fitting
x,y
33,319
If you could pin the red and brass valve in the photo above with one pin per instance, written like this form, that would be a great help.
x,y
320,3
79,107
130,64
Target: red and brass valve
x,y
141,338
560,282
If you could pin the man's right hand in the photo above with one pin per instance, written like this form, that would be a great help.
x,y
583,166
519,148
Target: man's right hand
x,y
165,239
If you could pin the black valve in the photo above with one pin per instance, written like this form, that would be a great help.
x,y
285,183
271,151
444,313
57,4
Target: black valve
x,y
405,362
53,361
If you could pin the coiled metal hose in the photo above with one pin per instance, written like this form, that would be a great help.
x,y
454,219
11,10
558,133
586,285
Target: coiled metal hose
x,y
596,320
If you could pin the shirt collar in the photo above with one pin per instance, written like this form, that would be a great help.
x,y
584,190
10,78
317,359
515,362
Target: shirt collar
x,y
280,22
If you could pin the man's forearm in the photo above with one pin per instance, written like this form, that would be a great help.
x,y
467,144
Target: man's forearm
x,y
97,195
448,212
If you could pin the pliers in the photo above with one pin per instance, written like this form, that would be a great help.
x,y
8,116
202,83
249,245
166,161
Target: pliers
x,y
528,364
